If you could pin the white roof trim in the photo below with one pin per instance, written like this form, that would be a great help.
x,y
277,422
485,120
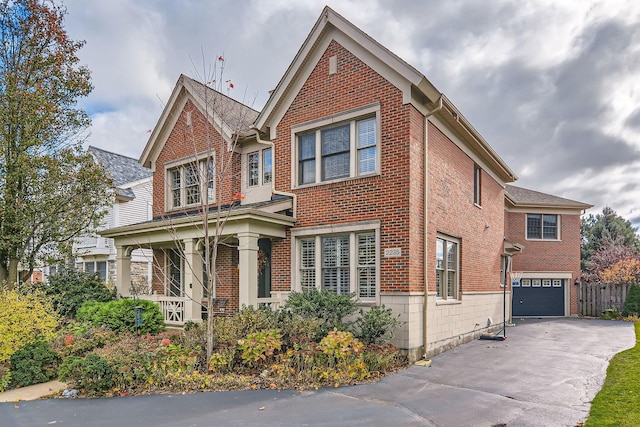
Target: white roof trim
x,y
332,26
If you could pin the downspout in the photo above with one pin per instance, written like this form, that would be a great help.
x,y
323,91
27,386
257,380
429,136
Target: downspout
x,y
273,181
426,221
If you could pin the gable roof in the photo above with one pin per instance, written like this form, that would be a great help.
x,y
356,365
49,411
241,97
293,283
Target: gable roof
x,y
522,197
226,114
122,169
416,88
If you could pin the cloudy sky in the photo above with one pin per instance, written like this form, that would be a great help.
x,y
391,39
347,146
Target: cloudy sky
x,y
553,85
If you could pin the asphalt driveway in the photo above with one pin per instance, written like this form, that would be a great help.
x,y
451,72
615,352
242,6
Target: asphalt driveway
x,y
544,374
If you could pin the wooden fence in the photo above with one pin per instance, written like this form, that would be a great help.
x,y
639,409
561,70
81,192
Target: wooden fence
x,y
595,298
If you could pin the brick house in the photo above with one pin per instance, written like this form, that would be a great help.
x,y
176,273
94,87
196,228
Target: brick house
x,y
358,175
547,228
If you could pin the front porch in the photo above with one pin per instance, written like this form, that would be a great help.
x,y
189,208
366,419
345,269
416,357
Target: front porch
x,y
180,284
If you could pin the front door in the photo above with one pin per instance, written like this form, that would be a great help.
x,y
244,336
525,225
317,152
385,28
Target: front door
x,y
264,268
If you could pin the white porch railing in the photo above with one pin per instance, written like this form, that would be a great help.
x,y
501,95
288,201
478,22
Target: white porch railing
x,y
172,308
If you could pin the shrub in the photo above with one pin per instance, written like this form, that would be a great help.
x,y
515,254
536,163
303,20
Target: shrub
x,y
383,358
611,313
257,347
250,320
70,288
5,376
119,315
330,308
91,373
24,319
83,342
376,325
632,303
131,360
34,364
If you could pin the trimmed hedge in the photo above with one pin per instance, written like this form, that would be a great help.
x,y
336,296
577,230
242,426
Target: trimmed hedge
x,y
119,315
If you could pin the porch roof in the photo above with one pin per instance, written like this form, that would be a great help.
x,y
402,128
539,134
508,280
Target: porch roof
x,y
261,218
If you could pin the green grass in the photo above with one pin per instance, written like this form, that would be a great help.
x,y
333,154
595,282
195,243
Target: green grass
x,y
618,403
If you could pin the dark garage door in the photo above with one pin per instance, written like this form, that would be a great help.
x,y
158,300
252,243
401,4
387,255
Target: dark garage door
x,y
539,297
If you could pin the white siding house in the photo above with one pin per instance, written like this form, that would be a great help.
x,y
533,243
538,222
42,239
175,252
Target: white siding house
x,y
132,204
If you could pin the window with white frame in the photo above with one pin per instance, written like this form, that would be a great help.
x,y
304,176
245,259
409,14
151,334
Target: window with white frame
x,y
340,263
189,181
447,267
259,167
338,151
253,169
542,227
267,166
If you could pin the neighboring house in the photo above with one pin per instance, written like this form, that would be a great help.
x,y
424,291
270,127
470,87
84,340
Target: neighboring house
x,y
358,175
547,228
132,204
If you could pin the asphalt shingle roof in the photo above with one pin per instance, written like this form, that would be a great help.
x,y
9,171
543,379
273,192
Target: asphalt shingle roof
x,y
236,115
523,196
121,169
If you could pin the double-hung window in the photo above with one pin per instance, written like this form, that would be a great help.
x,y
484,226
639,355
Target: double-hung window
x,y
338,148
341,263
542,227
189,181
447,267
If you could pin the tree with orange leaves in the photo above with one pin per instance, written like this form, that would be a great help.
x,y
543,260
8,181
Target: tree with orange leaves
x,y
50,190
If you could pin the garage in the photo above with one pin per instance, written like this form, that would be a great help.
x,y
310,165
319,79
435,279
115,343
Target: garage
x,y
539,297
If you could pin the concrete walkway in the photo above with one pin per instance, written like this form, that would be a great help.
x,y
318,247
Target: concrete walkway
x,y
545,374
32,392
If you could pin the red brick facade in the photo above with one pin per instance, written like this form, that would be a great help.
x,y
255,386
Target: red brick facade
x,y
453,212
186,143
561,255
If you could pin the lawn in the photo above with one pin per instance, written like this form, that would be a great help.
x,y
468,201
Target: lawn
x,y
617,404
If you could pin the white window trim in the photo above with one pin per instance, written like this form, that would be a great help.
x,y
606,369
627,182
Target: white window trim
x,y
258,155
352,117
457,293
201,160
261,168
317,232
542,239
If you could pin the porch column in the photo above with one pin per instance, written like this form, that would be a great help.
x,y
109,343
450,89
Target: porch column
x,y
123,270
248,268
192,281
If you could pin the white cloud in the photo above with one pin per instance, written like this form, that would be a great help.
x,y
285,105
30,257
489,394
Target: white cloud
x,y
528,74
